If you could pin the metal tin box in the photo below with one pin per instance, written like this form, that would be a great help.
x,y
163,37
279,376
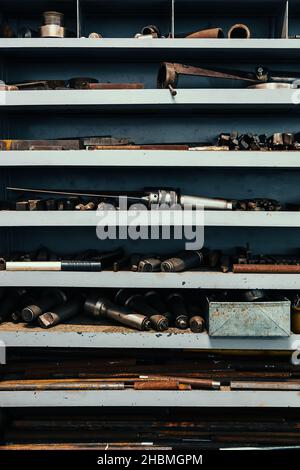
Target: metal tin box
x,y
265,318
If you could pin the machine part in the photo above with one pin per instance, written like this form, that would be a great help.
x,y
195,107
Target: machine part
x,y
210,33
114,86
121,263
197,324
239,31
47,300
79,83
154,299
172,198
6,31
295,320
178,310
52,31
272,86
168,74
254,295
266,268
67,204
95,36
151,30
10,302
8,88
53,17
61,313
36,205
160,196
149,265
26,33
99,307
22,206
184,261
143,36
51,204
282,141
137,303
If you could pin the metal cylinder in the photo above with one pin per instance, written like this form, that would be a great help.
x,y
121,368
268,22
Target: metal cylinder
x,y
149,265
266,268
95,36
197,324
239,31
253,295
152,30
211,33
46,301
53,17
154,300
52,31
9,303
136,302
206,203
99,307
178,309
184,261
61,313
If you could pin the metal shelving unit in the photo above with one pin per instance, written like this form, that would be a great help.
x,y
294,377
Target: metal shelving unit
x,y
147,101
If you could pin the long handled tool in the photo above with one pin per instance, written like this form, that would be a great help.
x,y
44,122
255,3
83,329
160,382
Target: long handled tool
x,y
168,198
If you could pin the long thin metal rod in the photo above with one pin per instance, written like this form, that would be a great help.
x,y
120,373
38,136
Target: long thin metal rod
x,y
70,193
173,19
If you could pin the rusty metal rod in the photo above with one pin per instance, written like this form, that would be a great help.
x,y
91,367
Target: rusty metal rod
x,y
266,268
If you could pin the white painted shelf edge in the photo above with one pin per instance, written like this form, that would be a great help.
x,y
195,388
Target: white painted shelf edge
x,y
151,158
129,398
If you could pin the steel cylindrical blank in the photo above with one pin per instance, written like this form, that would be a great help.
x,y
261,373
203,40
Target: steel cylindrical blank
x,y
8,303
178,308
100,307
154,300
53,17
197,324
184,261
45,302
137,303
60,313
239,31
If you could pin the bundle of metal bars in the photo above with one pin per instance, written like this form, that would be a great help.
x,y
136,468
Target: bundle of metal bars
x,y
148,370
163,428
